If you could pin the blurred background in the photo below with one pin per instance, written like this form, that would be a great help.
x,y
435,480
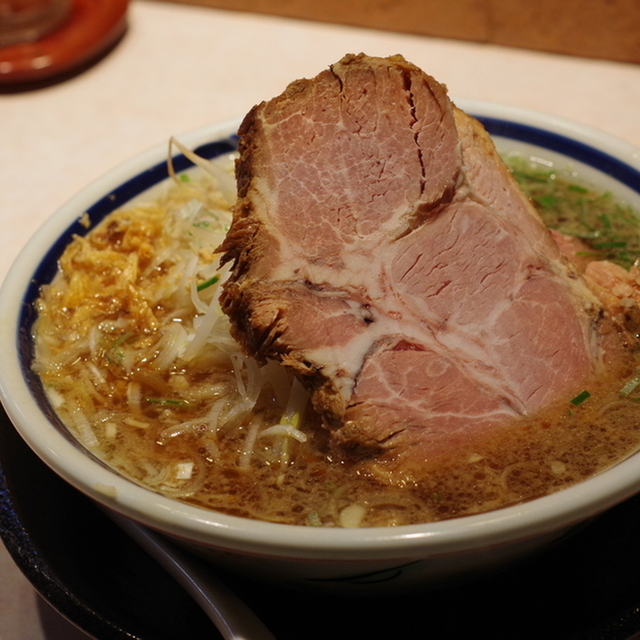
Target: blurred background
x,y
595,28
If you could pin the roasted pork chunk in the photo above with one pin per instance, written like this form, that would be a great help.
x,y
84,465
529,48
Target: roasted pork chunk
x,y
382,251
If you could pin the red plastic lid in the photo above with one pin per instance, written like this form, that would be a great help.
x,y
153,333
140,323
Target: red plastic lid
x,y
92,27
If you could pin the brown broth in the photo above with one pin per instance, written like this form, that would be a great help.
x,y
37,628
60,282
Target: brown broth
x,y
100,342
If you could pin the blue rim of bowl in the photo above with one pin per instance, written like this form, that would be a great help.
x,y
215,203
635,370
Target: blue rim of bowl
x,y
502,127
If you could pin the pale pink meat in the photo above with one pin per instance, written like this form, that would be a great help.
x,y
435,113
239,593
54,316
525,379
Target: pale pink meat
x,y
382,251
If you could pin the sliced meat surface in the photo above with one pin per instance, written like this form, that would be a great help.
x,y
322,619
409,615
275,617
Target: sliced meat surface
x,y
381,250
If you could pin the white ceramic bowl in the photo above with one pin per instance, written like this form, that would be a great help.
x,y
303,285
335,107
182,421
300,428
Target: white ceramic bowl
x,y
354,559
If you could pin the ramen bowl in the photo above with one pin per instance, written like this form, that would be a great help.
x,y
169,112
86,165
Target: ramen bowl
x,y
356,560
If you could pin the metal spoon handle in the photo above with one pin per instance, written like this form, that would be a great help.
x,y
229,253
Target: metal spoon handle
x,y
233,618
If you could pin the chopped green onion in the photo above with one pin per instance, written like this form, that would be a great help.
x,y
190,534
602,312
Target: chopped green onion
x,y
122,339
547,201
168,401
606,221
532,176
114,354
580,398
605,226
630,386
207,283
586,254
621,244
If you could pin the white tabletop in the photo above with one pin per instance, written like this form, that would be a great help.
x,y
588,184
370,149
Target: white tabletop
x,y
181,67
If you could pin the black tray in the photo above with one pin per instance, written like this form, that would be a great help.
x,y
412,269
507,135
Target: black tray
x,y
587,586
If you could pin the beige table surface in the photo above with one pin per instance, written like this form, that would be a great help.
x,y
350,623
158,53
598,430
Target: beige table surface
x,y
181,67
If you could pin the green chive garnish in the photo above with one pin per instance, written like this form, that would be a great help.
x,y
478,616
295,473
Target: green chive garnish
x,y
207,283
609,229
630,386
580,398
122,339
168,401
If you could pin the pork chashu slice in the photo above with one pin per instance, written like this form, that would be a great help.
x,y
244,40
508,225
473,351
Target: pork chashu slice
x,y
382,251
